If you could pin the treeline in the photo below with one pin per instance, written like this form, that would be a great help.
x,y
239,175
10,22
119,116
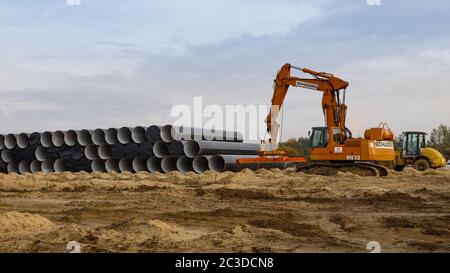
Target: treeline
x,y
439,139
296,147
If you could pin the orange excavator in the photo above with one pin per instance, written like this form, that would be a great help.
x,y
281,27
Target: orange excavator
x,y
333,147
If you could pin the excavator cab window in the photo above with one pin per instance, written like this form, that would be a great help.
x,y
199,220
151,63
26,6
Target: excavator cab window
x,y
319,137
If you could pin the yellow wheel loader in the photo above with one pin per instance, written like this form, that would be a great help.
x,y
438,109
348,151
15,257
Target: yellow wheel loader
x,y
413,152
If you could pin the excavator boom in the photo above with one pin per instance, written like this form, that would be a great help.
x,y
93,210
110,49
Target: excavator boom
x,y
333,108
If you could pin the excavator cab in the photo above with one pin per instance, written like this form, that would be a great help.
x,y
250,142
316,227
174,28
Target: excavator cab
x,y
319,137
413,151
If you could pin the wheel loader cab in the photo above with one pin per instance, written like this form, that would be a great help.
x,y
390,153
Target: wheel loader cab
x,y
412,143
413,151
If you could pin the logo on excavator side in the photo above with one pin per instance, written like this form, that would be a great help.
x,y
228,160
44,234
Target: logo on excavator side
x,y
307,85
384,145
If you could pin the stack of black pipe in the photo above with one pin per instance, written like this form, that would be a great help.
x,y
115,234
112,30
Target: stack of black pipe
x,y
138,149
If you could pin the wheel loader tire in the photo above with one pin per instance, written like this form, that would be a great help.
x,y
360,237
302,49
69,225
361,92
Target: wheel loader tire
x,y
399,168
421,164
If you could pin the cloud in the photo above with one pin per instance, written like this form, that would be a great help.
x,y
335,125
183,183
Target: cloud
x,y
112,69
115,44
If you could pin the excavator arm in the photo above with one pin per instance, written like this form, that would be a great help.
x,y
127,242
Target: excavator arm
x,y
333,108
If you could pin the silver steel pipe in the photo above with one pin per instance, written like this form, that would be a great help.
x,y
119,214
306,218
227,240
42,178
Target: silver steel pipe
x,y
91,152
160,149
84,137
104,152
124,135
13,167
112,165
99,137
126,164
98,165
23,140
221,163
58,138
185,164
70,138
140,164
36,166
47,166
154,164
46,139
200,164
111,136
7,155
195,148
60,166
169,163
10,141
24,167
138,134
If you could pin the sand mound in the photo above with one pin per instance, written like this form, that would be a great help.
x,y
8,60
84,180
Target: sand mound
x,y
264,172
371,191
316,179
17,222
439,172
240,177
247,171
327,193
241,193
377,192
155,229
347,175
410,172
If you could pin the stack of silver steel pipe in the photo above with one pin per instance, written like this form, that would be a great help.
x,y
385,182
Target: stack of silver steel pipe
x,y
139,149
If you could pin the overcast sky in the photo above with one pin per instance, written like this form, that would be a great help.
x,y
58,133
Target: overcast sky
x,y
110,63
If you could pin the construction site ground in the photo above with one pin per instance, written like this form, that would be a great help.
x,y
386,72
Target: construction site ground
x,y
261,211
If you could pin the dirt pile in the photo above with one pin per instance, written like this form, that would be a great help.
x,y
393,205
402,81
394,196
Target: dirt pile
x,y
16,223
249,211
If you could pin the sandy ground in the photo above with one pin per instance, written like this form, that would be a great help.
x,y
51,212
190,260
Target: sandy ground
x,y
262,211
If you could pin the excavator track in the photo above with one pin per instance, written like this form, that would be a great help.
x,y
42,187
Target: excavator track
x,y
362,169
